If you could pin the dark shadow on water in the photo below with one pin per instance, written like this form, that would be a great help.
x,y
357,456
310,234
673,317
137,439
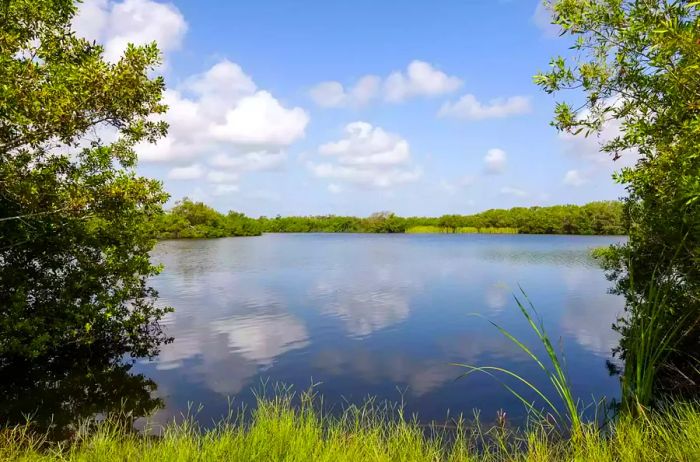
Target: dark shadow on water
x,y
60,391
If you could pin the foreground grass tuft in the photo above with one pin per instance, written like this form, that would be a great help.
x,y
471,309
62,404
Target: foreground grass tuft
x,y
280,431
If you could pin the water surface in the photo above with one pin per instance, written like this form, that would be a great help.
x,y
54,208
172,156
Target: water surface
x,y
375,315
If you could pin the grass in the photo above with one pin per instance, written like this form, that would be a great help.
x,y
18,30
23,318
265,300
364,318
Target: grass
x,y
652,332
552,366
460,230
278,430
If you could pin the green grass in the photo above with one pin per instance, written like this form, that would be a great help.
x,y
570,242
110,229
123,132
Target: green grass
x,y
281,431
653,330
552,366
461,230
427,230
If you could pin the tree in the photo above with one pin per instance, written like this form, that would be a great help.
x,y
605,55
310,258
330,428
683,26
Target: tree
x,y
66,392
75,218
637,64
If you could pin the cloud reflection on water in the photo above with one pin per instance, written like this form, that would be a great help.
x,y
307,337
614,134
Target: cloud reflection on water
x,y
367,311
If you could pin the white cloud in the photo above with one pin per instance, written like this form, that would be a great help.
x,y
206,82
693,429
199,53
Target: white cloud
x,y
260,120
419,79
542,18
510,191
574,178
191,172
220,117
261,339
333,94
469,108
116,24
365,89
367,145
223,81
367,156
495,161
329,94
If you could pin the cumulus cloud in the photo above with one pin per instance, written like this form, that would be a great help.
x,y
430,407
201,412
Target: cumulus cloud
x,y
367,156
260,120
495,161
470,108
224,82
222,119
333,94
329,94
225,112
115,24
219,117
574,178
418,79
191,172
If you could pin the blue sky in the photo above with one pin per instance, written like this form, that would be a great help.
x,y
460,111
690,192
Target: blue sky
x,y
316,107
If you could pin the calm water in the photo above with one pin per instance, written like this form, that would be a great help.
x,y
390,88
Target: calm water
x,y
375,315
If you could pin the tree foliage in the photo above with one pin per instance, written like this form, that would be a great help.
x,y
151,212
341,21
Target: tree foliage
x,y
604,218
188,219
74,216
637,66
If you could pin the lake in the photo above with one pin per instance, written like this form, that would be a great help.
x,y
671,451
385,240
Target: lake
x,y
376,315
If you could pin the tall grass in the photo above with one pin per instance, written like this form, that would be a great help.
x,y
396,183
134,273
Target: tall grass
x,y
280,431
427,230
552,366
498,230
652,330
459,230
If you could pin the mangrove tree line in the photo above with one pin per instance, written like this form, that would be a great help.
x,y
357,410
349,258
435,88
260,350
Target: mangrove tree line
x,y
188,219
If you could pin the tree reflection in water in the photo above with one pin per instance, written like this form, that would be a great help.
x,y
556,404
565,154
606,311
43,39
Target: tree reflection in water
x,y
59,392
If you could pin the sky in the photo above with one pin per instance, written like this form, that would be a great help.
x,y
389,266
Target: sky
x,y
310,107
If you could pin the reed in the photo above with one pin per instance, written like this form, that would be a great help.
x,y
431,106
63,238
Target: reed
x,y
459,230
570,419
427,230
498,230
652,330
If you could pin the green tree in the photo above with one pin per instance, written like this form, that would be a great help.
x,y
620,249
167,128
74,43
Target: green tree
x,y
637,63
74,216
196,220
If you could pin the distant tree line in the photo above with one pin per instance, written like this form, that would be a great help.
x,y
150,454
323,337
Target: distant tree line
x,y
190,219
